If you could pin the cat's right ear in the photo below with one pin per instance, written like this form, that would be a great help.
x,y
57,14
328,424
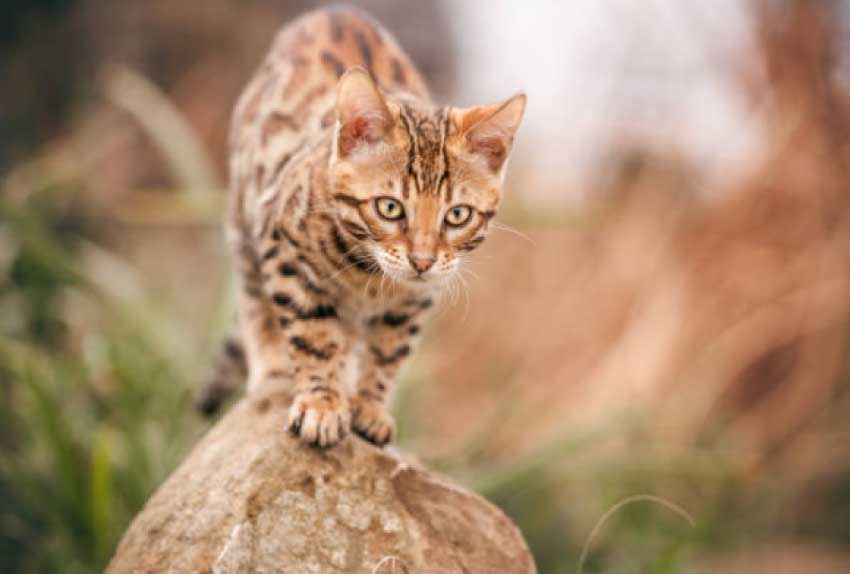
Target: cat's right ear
x,y
364,118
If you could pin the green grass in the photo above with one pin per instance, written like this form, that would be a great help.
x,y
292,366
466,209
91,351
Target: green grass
x,y
94,415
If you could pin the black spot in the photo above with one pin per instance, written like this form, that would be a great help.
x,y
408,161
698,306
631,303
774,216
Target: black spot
x,y
281,299
233,349
323,353
318,312
271,253
385,360
287,269
395,319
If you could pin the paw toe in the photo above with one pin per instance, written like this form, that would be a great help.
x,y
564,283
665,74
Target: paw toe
x,y
322,424
375,427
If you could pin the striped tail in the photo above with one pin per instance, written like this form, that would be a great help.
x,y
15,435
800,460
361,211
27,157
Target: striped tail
x,y
230,373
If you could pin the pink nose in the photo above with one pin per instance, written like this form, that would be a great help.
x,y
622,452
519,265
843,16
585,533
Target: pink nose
x,y
421,264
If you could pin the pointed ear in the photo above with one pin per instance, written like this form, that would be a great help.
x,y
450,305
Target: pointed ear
x,y
362,112
489,130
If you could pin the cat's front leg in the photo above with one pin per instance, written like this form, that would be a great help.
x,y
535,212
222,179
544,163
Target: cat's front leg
x,y
320,412
319,347
390,340
313,342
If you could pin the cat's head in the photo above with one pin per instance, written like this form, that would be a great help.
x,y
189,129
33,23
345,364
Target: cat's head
x,y
416,187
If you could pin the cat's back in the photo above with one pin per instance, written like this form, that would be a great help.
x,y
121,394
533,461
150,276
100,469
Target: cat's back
x,y
292,94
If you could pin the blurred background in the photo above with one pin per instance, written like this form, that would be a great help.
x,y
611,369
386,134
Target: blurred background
x,y
664,308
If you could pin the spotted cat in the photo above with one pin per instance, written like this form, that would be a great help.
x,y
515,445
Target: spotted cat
x,y
354,199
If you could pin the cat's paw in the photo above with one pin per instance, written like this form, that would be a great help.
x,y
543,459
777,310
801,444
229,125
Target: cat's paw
x,y
372,421
319,417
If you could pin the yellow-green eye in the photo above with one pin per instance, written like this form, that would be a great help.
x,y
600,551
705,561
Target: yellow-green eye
x,y
389,208
458,215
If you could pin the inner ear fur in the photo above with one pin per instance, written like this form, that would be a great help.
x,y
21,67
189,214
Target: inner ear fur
x,y
489,131
364,118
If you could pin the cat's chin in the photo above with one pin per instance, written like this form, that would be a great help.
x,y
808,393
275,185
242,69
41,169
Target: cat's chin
x,y
414,280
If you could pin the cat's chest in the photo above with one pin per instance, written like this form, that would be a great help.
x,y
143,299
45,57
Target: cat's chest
x,y
360,310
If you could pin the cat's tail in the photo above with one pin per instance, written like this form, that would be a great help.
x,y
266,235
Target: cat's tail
x,y
229,373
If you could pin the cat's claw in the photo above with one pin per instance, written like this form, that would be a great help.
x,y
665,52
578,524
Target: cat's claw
x,y
372,421
319,419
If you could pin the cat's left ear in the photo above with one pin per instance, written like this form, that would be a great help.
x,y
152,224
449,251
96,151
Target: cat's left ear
x,y
364,118
488,131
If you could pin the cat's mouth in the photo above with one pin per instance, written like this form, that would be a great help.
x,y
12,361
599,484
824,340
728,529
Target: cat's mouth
x,y
413,278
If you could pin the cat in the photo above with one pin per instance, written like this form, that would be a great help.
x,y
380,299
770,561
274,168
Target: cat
x,y
353,201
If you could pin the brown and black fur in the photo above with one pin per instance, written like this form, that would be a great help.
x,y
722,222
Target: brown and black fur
x,y
333,294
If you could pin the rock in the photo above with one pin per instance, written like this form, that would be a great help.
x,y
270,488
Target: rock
x,y
252,499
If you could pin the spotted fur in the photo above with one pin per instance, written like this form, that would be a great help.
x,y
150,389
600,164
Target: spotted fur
x,y
332,292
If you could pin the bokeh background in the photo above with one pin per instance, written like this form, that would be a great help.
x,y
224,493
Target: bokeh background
x,y
663,310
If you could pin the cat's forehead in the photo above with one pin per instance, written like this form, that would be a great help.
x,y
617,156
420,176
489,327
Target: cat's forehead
x,y
428,166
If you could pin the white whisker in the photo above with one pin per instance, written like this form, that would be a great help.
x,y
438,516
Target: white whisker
x,y
507,228
352,264
474,275
369,281
464,288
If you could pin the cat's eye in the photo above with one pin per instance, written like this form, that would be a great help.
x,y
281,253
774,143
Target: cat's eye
x,y
389,208
458,215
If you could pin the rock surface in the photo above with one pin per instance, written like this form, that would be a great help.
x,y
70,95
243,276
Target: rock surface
x,y
251,499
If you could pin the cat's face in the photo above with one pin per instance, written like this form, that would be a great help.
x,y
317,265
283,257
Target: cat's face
x,y
416,188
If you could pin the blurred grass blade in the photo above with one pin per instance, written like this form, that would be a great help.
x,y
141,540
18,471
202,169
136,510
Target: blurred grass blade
x,y
167,128
672,506
125,288
101,493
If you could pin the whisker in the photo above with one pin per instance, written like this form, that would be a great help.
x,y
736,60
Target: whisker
x,y
474,256
381,287
455,290
350,265
464,288
343,270
507,228
474,275
369,281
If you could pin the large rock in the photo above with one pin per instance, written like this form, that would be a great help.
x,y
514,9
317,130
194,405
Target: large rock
x,y
252,499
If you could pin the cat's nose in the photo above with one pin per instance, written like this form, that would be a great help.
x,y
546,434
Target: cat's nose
x,y
421,263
